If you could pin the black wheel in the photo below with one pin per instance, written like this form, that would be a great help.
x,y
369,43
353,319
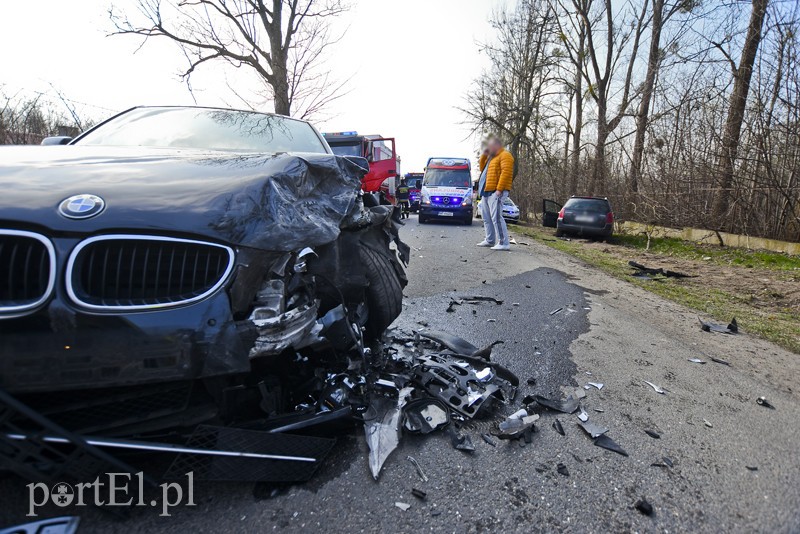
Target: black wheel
x,y
384,294
422,220
559,233
468,220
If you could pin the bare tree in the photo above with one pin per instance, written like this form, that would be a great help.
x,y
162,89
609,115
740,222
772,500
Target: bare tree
x,y
283,42
736,109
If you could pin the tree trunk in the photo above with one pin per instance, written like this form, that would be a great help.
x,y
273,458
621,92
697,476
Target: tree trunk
x,y
576,135
736,109
642,115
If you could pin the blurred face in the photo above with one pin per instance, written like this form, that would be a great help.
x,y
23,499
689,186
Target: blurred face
x,y
494,146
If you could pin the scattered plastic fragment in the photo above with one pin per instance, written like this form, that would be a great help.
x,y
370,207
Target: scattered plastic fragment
x,y
418,467
655,387
696,360
472,299
762,401
461,442
488,439
418,493
426,415
607,443
599,410
491,320
596,385
531,381
403,505
644,507
751,468
517,425
720,360
583,416
594,430
665,462
568,405
558,427
562,470
641,270
653,434
732,328
556,311
709,425
383,431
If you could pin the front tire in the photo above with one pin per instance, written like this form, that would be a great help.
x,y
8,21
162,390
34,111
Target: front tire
x,y
384,294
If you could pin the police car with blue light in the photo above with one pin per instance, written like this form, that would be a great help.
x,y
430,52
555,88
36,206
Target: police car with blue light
x,y
446,191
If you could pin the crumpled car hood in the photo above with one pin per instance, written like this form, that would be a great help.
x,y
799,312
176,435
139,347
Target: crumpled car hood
x,y
274,202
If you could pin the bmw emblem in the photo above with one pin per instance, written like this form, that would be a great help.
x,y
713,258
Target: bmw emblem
x,y
81,206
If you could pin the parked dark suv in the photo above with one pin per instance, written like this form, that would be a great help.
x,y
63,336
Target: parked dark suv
x,y
587,216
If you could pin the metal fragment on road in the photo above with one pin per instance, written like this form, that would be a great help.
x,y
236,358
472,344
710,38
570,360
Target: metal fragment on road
x,y
696,360
418,467
594,430
655,387
597,385
583,416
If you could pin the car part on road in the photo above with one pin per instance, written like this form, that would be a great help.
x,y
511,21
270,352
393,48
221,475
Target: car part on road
x,y
595,384
594,430
720,361
56,525
404,506
696,360
557,426
475,299
382,430
653,434
460,441
732,328
425,415
488,439
644,507
655,387
562,469
568,405
418,467
607,443
762,401
647,271
583,416
517,425
419,494
708,423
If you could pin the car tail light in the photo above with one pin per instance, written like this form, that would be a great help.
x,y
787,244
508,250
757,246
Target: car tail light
x,y
561,214
610,217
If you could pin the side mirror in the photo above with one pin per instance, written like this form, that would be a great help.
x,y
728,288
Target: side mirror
x,y
57,140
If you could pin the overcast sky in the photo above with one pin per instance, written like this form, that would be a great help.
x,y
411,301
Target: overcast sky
x,y
411,62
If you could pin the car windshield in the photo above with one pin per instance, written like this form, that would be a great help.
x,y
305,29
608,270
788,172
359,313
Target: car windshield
x,y
447,177
202,128
508,202
587,204
347,150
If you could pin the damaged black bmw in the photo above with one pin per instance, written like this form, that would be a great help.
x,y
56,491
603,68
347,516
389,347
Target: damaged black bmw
x,y
182,266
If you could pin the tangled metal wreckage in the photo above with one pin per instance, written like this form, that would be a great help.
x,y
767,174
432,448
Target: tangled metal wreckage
x,y
251,381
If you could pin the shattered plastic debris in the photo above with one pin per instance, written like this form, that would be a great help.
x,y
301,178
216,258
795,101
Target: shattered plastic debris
x,y
517,425
751,468
383,431
655,387
488,439
707,423
403,505
558,427
594,430
425,415
568,405
556,311
696,360
762,401
419,494
531,381
461,442
644,507
607,443
562,469
595,384
653,434
583,416
665,462
720,361
418,467
474,299
732,328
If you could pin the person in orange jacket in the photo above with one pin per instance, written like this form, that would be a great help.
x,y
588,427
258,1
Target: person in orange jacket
x,y
497,172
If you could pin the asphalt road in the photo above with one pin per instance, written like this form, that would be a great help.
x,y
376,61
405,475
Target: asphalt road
x,y
608,332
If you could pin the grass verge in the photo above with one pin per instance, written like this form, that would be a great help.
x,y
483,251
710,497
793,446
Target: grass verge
x,y
710,296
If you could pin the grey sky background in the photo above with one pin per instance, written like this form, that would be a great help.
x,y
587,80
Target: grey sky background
x,y
409,63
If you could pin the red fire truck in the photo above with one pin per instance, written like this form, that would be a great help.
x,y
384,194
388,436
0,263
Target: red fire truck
x,y
378,150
